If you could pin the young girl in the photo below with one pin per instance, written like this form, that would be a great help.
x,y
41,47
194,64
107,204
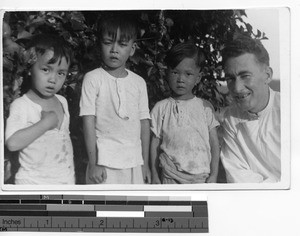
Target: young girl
x,y
38,124
184,143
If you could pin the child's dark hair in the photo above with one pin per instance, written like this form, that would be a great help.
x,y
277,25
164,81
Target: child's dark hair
x,y
245,44
40,43
110,23
184,50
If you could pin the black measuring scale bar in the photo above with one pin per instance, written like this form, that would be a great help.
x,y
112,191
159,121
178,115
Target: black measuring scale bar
x,y
94,213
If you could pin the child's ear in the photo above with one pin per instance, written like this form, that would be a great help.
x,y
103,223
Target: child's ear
x,y
200,74
134,45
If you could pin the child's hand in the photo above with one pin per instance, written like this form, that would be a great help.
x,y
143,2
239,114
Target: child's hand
x,y
212,179
97,174
50,118
146,174
155,179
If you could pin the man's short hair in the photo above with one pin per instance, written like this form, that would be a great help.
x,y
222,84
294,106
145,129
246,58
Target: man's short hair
x,y
245,44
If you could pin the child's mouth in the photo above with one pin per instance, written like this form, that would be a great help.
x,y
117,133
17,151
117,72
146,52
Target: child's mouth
x,y
50,89
180,87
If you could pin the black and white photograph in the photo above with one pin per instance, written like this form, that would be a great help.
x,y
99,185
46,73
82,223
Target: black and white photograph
x,y
154,98
188,99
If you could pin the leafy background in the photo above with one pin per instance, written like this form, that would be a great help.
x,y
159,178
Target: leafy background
x,y
159,30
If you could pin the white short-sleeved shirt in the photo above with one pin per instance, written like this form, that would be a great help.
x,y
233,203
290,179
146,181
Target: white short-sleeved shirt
x,y
118,105
49,159
251,148
183,126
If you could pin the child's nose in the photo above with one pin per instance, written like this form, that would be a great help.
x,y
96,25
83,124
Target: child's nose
x,y
52,79
180,78
113,47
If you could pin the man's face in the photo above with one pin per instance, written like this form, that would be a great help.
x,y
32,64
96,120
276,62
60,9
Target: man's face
x,y
247,81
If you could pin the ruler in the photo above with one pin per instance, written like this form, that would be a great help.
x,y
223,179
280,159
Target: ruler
x,y
96,213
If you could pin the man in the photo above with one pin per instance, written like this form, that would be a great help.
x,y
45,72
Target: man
x,y
251,147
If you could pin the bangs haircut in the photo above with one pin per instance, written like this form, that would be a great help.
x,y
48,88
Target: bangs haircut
x,y
125,23
184,50
244,44
43,42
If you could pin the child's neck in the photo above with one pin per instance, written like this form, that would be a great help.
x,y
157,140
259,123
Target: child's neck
x,y
117,73
36,97
182,98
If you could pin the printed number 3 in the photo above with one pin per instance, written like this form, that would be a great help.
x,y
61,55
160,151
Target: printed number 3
x,y
157,223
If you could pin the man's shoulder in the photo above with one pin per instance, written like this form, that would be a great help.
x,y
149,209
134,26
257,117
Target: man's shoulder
x,y
233,114
276,99
232,111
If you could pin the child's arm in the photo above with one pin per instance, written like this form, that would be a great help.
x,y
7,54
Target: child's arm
x,y
155,143
22,138
97,174
215,155
145,139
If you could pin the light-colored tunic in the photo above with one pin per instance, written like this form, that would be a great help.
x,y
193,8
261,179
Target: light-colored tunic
x,y
49,159
183,126
251,147
118,105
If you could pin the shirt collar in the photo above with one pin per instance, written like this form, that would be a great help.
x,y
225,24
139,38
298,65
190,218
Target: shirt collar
x,y
115,78
255,116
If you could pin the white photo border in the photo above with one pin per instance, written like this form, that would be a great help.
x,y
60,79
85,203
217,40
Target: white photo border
x,y
285,87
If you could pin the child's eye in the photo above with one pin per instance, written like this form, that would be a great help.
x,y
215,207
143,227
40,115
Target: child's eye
x,y
106,42
46,70
123,44
62,74
174,72
189,74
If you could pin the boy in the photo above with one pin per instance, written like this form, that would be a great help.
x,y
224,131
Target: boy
x,y
114,107
185,142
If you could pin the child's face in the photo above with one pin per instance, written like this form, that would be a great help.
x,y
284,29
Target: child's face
x,y
47,79
183,78
115,52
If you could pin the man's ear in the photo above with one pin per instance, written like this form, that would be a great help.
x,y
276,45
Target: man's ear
x,y
269,73
133,47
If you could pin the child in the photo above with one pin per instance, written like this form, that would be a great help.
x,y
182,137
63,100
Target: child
x,y
114,106
184,142
38,124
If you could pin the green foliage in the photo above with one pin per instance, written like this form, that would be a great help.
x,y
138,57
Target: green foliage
x,y
159,31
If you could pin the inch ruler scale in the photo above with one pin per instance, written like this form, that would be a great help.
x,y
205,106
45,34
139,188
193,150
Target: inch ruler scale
x,y
96,213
